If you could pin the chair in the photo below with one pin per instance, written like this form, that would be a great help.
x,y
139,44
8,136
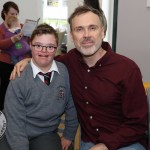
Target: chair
x,y
148,98
76,144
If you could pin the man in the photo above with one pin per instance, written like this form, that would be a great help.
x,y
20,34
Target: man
x,y
35,102
107,88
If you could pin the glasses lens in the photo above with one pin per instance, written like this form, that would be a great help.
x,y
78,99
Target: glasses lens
x,y
50,48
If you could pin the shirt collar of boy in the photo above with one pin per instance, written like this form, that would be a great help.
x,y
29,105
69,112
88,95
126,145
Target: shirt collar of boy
x,y
36,70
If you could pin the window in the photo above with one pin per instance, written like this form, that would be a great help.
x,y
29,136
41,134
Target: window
x,y
55,13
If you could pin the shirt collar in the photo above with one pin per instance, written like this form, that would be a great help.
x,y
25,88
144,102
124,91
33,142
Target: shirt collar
x,y
36,70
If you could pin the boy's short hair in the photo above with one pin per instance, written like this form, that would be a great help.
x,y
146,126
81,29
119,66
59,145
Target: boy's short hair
x,y
44,29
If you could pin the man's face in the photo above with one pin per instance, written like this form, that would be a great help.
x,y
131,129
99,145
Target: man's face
x,y
87,33
43,50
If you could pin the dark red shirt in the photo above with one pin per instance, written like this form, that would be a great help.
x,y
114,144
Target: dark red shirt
x,y
109,97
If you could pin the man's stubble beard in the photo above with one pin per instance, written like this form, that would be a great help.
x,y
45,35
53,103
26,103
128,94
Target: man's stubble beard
x,y
89,51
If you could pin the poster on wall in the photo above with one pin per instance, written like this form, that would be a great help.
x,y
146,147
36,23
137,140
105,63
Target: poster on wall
x,y
52,3
148,3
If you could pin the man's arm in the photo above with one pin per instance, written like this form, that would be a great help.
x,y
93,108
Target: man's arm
x,y
135,110
19,67
71,120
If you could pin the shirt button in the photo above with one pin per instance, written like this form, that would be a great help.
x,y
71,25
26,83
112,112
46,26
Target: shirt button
x,y
88,70
97,129
87,102
85,87
100,65
91,117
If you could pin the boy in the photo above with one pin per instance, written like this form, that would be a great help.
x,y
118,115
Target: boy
x,y
33,108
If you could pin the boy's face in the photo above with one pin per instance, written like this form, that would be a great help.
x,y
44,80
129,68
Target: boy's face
x,y
43,50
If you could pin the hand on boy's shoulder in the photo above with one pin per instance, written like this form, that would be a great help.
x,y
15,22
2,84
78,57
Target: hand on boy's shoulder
x,y
18,68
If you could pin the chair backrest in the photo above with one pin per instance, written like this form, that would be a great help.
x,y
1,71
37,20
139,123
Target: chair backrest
x,y
148,98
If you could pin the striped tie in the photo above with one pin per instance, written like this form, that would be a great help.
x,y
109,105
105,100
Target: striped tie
x,y
47,77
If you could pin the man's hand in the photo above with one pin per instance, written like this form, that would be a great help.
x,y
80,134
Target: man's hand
x,y
65,143
99,146
20,66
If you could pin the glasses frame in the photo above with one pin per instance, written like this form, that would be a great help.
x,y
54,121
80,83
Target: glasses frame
x,y
49,48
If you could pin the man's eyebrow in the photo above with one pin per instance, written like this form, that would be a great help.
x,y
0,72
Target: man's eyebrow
x,y
79,27
86,26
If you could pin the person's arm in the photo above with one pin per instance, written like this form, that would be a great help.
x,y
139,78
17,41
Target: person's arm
x,y
135,111
71,120
5,43
19,67
65,143
15,112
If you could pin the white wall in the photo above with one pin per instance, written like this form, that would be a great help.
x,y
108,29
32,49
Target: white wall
x,y
29,9
108,6
33,9
133,34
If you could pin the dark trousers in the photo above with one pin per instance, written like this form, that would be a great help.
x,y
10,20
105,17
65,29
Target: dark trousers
x,y
5,71
48,141
4,144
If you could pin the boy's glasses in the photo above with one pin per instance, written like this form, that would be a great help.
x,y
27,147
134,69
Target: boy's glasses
x,y
49,48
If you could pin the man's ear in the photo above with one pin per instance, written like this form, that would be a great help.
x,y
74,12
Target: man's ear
x,y
103,33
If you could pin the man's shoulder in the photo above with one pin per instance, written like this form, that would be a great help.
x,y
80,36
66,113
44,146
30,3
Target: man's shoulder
x,y
72,51
126,60
60,65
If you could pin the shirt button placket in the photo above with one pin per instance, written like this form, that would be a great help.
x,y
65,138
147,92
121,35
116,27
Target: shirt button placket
x,y
88,70
97,129
85,87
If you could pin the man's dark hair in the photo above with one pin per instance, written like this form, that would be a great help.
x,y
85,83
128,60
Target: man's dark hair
x,y
84,9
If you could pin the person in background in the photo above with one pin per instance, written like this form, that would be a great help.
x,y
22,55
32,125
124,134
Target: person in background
x,y
13,24
9,9
107,87
20,49
35,102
